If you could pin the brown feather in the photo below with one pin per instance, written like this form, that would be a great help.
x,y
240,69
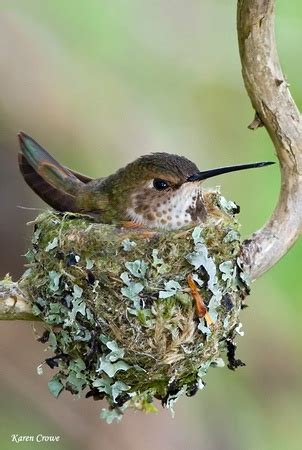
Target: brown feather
x,y
61,201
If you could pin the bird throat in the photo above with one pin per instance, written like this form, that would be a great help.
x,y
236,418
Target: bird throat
x,y
168,210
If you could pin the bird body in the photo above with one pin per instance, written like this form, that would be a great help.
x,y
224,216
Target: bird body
x,y
159,190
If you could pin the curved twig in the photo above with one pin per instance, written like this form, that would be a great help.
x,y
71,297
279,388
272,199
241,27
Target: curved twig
x,y
276,110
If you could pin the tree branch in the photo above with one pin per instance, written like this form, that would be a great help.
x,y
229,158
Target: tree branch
x,y
276,110
14,304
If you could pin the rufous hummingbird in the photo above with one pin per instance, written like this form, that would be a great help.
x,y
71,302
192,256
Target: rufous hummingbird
x,y
159,190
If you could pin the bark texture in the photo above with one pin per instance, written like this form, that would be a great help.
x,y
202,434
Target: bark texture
x,y
14,304
276,110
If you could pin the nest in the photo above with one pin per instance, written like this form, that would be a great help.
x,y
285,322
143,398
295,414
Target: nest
x,y
119,314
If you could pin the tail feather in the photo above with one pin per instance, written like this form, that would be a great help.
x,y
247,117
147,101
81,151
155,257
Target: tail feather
x,y
55,184
55,198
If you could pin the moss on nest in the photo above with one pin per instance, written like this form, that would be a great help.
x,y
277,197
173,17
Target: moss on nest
x,y
119,314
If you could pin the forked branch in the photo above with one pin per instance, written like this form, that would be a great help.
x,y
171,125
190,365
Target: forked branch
x,y
277,111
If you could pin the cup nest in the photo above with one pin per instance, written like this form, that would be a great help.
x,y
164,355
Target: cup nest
x,y
119,314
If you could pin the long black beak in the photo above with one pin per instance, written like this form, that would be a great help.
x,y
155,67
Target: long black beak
x,y
221,170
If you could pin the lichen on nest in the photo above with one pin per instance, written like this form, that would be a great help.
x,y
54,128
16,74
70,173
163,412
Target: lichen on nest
x,y
118,311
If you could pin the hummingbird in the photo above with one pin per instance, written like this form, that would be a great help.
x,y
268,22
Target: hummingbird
x,y
159,190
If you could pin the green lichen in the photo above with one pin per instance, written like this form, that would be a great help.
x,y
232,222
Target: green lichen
x,y
118,311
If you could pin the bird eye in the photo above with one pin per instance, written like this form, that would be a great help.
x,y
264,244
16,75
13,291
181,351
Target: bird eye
x,y
159,184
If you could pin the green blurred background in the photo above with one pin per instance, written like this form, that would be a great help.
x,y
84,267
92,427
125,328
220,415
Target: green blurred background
x,y
100,83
